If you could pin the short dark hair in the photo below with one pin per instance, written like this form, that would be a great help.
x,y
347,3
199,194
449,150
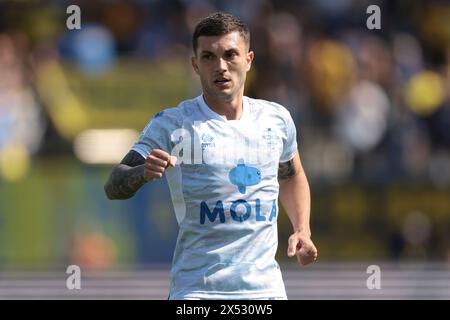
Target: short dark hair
x,y
219,24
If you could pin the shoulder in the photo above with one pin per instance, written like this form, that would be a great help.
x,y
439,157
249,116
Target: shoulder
x,y
269,108
173,116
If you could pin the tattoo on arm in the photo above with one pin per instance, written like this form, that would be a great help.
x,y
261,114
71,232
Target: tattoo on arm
x,y
127,177
286,170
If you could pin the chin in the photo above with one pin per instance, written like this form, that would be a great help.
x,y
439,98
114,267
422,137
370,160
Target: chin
x,y
226,95
221,93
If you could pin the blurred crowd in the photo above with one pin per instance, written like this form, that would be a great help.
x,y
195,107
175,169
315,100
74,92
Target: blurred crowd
x,y
370,105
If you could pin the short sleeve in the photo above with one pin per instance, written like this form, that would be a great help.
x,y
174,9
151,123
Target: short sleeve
x,y
156,135
290,142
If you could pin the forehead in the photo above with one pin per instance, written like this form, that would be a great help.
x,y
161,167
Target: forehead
x,y
223,42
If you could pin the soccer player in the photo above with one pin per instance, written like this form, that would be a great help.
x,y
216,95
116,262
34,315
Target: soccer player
x,y
226,157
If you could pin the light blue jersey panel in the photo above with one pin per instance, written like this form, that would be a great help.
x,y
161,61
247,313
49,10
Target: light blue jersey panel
x,y
224,191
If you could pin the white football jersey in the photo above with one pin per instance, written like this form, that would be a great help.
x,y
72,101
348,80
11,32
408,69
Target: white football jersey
x,y
224,190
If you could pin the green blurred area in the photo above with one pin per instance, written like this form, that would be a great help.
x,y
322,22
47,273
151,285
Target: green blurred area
x,y
41,215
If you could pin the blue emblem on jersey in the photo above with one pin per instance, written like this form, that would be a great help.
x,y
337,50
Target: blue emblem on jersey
x,y
243,176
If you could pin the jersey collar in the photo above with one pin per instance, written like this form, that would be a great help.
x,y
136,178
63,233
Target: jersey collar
x,y
205,108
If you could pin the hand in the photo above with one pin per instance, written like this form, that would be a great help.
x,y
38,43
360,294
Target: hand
x,y
156,163
300,244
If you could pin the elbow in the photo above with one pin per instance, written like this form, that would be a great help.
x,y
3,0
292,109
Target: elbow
x,y
109,195
112,195
298,178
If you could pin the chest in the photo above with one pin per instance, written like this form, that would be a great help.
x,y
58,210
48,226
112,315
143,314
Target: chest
x,y
231,144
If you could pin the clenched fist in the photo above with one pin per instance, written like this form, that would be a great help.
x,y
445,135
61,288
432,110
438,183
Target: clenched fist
x,y
302,246
156,163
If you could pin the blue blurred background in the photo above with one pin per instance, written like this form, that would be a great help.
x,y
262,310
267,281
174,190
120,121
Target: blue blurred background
x,y
372,108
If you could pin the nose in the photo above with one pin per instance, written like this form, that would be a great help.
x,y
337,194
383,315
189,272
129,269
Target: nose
x,y
221,65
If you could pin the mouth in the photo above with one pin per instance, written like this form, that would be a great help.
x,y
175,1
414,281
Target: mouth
x,y
222,81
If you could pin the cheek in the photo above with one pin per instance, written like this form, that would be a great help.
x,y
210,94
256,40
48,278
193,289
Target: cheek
x,y
238,67
202,71
206,69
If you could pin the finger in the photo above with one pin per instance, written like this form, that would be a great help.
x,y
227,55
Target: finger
x,y
161,154
305,260
292,246
308,249
307,255
303,252
312,251
156,161
153,168
152,175
172,161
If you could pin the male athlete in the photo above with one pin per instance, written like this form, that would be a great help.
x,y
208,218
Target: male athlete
x,y
226,157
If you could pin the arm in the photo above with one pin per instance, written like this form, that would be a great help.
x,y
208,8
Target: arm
x,y
296,199
127,177
134,171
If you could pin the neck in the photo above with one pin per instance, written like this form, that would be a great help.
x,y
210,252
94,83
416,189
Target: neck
x,y
231,110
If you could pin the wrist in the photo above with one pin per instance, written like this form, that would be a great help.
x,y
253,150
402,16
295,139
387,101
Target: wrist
x,y
303,231
138,177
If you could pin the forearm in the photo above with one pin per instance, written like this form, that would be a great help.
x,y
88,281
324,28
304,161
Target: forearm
x,y
296,199
124,181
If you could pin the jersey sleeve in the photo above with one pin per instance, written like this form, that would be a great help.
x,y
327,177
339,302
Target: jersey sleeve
x,y
290,140
156,135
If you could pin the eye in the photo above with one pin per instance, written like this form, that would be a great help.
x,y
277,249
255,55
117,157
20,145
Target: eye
x,y
230,55
207,56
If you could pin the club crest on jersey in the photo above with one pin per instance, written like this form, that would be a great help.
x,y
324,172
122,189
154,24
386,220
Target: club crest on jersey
x,y
270,137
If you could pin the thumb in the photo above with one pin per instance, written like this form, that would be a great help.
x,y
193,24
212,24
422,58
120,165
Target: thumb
x,y
172,161
292,246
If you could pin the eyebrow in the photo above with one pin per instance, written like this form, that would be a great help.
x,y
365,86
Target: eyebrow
x,y
226,51
232,50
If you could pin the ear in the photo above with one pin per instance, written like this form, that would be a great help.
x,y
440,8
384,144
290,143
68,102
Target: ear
x,y
250,56
194,64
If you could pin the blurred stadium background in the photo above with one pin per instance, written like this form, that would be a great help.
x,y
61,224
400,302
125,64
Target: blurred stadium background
x,y
372,108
